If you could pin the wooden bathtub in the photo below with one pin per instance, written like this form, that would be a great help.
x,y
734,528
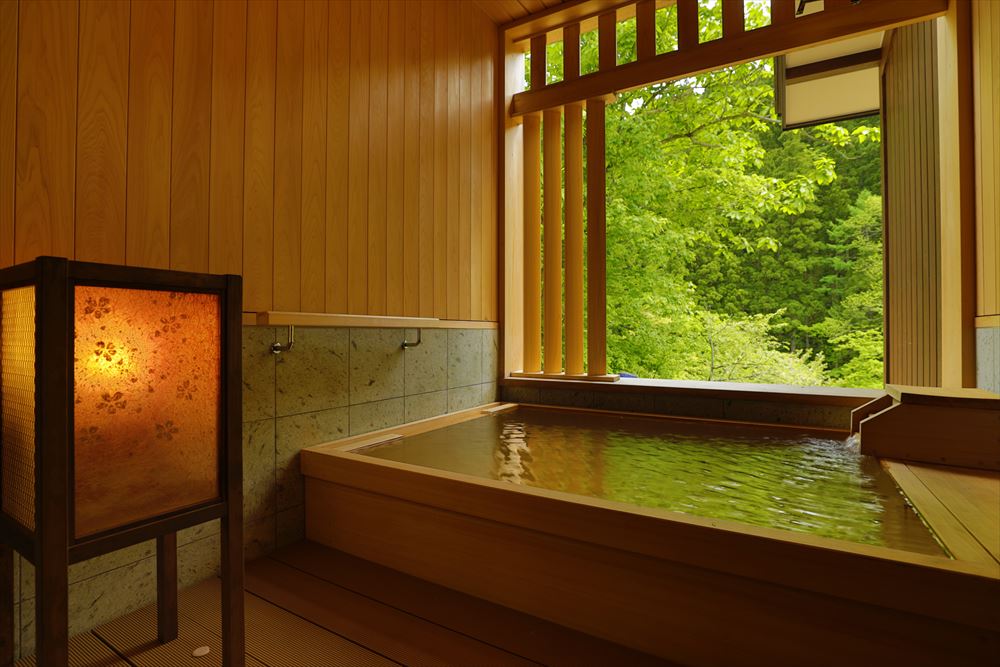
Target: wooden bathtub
x,y
693,590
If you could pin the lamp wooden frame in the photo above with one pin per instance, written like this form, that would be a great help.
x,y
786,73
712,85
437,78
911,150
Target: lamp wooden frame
x,y
52,547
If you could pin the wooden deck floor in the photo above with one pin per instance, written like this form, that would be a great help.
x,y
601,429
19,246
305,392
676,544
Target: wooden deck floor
x,y
961,505
309,606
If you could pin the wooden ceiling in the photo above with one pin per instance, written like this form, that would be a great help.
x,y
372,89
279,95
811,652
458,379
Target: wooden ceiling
x,y
505,11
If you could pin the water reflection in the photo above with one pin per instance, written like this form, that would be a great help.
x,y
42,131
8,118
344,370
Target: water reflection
x,y
768,477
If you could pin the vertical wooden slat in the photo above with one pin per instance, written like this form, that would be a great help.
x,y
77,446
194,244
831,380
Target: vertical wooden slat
x,y
986,77
782,11
574,239
441,156
395,136
476,218
464,167
100,134
377,129
645,29
607,40
147,197
687,24
596,242
411,157
225,243
312,278
338,108
8,125
46,129
191,136
288,157
357,227
732,18
537,61
428,166
258,169
552,221
455,213
571,52
532,244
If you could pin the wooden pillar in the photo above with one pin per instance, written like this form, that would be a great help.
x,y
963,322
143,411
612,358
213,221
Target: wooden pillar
x,y
552,219
166,587
52,334
782,11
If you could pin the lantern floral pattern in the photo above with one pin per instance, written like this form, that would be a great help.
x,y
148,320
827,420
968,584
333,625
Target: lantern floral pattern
x,y
147,373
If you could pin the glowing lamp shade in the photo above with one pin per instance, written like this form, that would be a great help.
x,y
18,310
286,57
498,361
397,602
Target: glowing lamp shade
x,y
146,388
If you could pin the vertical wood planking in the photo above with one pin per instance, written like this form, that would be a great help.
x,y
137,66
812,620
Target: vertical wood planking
x,y
510,181
986,88
532,244
377,158
337,155
288,157
412,212
464,167
490,247
191,136
46,129
441,155
150,99
428,95
645,29
312,277
225,216
552,239
453,230
8,127
396,209
102,114
687,24
357,229
258,167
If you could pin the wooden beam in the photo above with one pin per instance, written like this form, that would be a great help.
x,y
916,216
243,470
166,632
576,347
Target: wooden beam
x,y
645,29
552,220
846,63
532,244
559,16
574,239
764,42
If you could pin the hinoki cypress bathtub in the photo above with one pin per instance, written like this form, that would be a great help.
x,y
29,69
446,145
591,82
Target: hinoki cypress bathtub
x,y
702,542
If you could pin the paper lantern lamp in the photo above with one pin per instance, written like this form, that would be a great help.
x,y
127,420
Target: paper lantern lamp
x,y
120,416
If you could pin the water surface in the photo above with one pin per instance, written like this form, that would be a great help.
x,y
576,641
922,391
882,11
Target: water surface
x,y
773,477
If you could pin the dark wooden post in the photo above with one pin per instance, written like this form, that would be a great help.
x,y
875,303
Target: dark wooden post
x,y
6,606
233,626
166,587
53,339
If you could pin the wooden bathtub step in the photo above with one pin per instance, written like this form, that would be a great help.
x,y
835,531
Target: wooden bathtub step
x,y
515,632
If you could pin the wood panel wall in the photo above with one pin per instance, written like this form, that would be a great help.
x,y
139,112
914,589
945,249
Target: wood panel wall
x,y
912,208
340,155
986,105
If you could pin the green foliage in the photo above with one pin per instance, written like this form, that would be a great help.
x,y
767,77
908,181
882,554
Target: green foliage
x,y
737,251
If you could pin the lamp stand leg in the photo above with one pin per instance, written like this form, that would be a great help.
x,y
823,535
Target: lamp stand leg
x,y
6,606
166,587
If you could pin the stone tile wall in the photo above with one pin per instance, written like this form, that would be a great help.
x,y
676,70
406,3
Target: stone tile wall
x,y
988,358
333,383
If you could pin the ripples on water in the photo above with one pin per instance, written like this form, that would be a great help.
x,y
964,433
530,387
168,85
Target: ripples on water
x,y
771,477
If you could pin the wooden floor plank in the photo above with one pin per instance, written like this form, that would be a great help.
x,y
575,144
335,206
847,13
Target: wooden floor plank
x,y
973,496
400,636
519,633
134,636
277,637
962,544
85,650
